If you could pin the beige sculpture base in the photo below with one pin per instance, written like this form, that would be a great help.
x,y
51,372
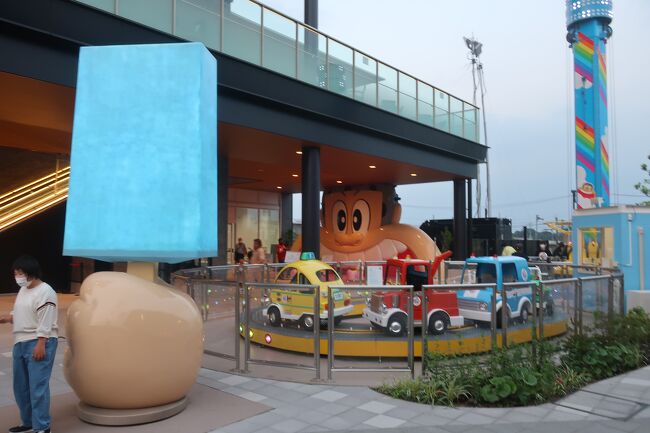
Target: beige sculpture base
x,y
122,417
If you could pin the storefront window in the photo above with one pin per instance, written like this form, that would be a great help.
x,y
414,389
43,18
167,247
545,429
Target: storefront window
x,y
254,223
246,225
269,228
596,246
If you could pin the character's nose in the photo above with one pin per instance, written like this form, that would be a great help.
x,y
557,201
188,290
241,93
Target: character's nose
x,y
351,239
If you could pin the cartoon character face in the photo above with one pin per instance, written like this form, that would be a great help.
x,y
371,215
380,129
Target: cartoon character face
x,y
355,227
349,216
587,188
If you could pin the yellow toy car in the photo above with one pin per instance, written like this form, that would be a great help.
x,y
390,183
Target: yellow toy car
x,y
285,303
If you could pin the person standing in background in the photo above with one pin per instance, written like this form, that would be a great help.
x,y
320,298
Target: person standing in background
x,y
259,255
240,251
35,341
282,250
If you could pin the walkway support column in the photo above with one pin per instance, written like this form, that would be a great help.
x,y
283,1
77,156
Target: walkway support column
x,y
460,221
286,218
470,248
311,200
222,211
311,13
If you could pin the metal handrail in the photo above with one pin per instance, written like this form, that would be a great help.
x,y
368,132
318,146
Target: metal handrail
x,y
330,330
594,277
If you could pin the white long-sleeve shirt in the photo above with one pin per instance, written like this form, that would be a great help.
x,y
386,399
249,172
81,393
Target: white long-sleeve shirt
x,y
35,313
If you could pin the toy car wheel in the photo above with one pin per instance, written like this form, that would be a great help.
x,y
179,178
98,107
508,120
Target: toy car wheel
x,y
274,316
525,313
396,325
307,322
499,321
438,323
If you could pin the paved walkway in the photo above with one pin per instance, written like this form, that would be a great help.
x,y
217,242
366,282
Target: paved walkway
x,y
616,405
619,404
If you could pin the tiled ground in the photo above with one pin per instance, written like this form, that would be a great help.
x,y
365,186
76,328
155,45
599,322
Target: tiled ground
x,y
620,404
320,408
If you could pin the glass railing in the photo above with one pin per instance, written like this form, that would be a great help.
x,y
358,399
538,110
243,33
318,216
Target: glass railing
x,y
250,31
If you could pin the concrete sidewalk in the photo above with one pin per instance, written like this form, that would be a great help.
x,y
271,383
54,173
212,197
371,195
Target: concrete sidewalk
x,y
242,404
229,403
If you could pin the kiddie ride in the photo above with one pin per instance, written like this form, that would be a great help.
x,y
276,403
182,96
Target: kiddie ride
x,y
476,305
389,310
286,318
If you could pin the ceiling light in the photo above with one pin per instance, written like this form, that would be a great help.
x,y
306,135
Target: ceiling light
x,y
414,174
294,175
372,166
339,181
278,187
298,152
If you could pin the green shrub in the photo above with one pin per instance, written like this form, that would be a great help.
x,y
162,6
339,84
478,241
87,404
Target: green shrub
x,y
630,329
498,388
521,376
596,357
428,391
569,380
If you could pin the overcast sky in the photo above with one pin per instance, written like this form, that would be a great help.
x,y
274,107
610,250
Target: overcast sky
x,y
529,101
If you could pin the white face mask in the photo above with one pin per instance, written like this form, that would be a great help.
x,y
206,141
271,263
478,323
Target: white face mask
x,y
22,281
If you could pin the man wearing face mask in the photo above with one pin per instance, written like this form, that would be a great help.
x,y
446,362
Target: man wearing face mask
x,y
35,340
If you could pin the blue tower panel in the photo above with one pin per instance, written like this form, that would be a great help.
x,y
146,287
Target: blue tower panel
x,y
143,184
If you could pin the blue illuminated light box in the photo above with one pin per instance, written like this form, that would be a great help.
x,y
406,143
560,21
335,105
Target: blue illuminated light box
x,y
143,183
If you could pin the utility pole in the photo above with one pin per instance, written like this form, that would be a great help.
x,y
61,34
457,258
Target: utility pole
x,y
475,49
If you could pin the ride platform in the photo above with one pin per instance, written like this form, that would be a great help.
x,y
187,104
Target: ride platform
x,y
355,337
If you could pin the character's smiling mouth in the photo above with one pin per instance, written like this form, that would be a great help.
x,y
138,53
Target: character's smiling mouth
x,y
386,249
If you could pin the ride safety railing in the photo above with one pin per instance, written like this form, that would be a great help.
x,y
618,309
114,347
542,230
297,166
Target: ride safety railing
x,y
234,301
305,289
410,335
255,33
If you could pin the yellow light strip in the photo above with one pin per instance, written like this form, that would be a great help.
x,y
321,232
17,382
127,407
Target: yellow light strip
x,y
63,170
16,201
57,199
36,184
32,204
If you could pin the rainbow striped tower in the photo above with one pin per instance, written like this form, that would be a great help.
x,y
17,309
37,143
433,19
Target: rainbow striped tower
x,y
587,33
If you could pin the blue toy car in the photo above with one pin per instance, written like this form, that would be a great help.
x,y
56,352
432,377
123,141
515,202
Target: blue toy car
x,y
477,304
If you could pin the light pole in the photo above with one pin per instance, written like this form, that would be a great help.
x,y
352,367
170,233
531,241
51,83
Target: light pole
x,y
475,49
537,219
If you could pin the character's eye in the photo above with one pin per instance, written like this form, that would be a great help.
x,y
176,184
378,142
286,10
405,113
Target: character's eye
x,y
339,215
361,216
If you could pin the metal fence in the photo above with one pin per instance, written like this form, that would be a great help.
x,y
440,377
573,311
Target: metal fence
x,y
224,293
409,331
248,359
